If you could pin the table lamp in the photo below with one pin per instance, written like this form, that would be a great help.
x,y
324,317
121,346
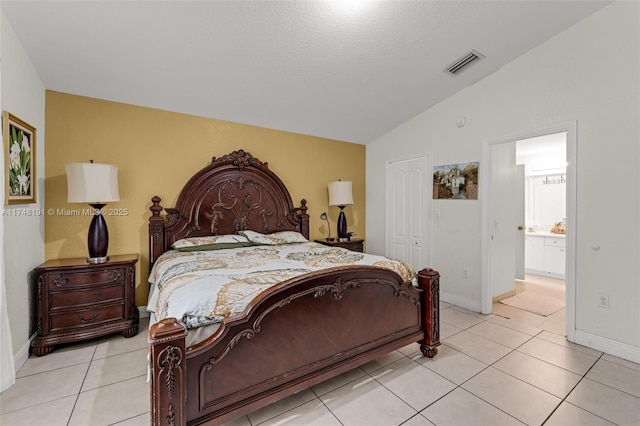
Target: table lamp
x,y
323,216
340,195
94,184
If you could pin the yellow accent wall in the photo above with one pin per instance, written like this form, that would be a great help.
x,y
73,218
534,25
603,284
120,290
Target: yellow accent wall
x,y
157,152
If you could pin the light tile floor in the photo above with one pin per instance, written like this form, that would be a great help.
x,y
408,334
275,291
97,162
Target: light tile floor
x,y
509,368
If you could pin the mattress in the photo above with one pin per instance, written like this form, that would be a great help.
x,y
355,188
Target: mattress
x,y
203,287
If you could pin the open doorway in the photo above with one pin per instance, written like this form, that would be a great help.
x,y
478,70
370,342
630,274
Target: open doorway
x,y
539,295
502,228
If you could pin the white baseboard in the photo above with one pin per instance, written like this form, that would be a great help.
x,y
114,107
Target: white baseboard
x,y
463,302
545,274
499,297
142,312
608,346
20,357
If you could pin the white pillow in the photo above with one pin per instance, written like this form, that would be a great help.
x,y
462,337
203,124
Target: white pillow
x,y
282,237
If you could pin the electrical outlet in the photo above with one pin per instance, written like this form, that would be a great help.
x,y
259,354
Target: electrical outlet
x,y
603,300
466,273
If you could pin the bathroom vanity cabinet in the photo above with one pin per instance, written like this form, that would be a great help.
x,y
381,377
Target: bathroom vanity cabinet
x,y
545,255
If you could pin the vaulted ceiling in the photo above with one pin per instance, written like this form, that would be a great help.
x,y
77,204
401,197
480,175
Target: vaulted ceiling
x,y
346,70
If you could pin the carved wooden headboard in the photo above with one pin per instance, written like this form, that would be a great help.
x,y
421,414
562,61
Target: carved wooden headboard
x,y
233,193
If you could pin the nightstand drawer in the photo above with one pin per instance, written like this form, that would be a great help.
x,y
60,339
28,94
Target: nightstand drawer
x,y
89,296
354,244
85,317
85,278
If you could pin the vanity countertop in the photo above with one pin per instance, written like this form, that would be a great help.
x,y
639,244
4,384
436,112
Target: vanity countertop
x,y
547,234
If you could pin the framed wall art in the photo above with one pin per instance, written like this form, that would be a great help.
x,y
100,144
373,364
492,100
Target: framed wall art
x,y
456,181
19,160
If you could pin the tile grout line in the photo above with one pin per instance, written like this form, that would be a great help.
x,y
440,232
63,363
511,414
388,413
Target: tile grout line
x,y
400,398
421,365
93,358
511,351
457,386
325,405
572,389
484,369
563,399
95,348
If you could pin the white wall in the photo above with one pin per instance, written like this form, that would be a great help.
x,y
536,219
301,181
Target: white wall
x,y
589,74
23,96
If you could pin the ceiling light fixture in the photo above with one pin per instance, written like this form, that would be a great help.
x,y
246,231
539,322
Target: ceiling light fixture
x,y
349,6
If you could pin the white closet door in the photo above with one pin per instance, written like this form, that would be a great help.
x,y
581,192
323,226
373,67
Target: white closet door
x,y
409,190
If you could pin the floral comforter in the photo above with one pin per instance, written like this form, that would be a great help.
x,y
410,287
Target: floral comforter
x,y
204,287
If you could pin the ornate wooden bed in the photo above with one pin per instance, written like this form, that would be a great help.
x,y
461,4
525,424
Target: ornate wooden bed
x,y
300,333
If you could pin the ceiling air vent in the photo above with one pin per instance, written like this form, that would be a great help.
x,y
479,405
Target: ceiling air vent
x,y
464,62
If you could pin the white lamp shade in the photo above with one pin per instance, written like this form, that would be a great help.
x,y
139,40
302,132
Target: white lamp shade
x,y
92,183
340,193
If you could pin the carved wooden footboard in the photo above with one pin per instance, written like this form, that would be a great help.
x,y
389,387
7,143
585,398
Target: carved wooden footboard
x,y
304,332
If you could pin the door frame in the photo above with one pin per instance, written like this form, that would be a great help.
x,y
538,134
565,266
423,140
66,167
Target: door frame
x,y
571,200
520,220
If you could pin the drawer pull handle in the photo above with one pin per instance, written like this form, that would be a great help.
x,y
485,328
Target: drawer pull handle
x,y
114,275
58,281
90,319
97,293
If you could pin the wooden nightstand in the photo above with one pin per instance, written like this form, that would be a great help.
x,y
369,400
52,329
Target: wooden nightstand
x,y
355,244
78,300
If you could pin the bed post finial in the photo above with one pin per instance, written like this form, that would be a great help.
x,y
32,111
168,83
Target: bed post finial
x,y
156,208
429,281
303,218
156,231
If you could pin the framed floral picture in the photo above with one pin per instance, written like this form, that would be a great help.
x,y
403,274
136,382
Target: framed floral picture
x,y
19,160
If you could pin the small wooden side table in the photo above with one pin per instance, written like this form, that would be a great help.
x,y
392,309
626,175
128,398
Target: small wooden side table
x,y
355,244
78,300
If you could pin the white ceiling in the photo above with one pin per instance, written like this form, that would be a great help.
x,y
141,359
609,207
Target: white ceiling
x,y
310,67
